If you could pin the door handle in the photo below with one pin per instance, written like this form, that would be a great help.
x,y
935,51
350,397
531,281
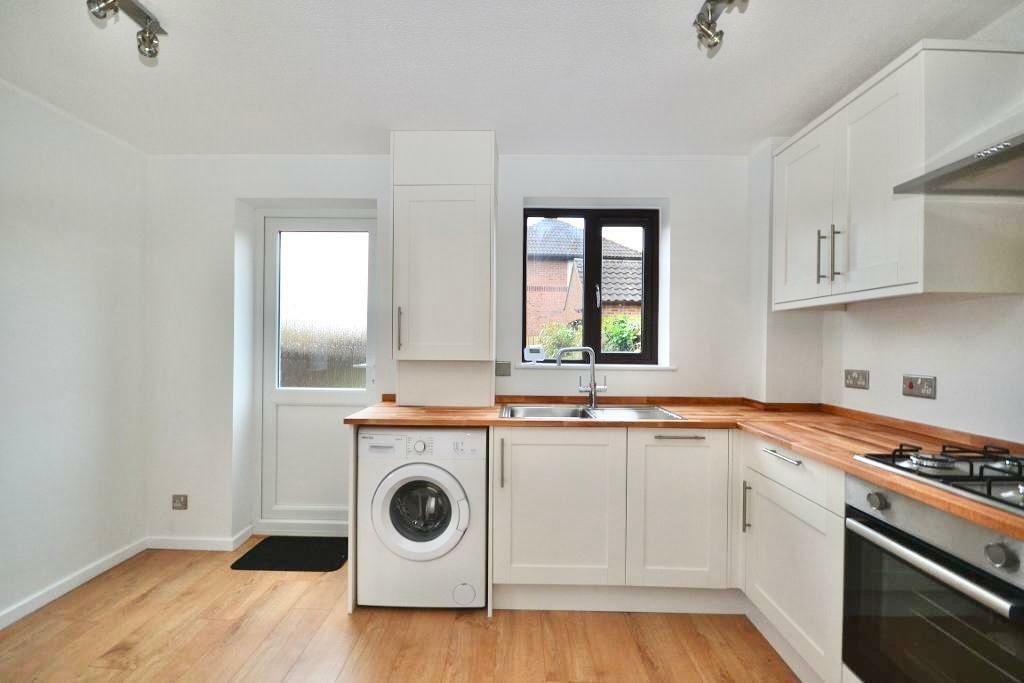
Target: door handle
x,y
597,296
663,437
463,515
746,524
832,258
502,463
780,456
817,269
399,328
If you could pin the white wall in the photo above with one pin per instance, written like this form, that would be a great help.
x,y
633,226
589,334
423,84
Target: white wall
x,y
200,323
71,459
704,213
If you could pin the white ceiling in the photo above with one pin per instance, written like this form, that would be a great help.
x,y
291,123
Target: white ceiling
x,y
551,76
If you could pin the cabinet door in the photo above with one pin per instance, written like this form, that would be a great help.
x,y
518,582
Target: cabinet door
x,y
879,238
677,508
560,506
802,216
794,575
443,272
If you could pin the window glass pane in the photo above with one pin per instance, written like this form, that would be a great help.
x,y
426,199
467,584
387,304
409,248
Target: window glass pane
x,y
554,283
323,291
622,288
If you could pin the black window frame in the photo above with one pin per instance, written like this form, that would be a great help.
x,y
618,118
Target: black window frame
x,y
594,221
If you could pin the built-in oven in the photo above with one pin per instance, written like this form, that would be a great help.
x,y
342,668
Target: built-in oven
x,y
914,612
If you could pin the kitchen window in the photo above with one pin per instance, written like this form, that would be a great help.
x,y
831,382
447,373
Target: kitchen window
x,y
590,278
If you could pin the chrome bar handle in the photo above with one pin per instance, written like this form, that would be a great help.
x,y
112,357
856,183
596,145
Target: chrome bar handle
x,y
746,524
817,270
678,437
399,328
502,477
597,296
780,456
1004,605
832,258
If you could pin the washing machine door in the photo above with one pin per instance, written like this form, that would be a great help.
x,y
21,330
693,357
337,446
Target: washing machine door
x,y
420,511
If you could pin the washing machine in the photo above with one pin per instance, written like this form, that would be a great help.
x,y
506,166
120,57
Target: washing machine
x,y
422,517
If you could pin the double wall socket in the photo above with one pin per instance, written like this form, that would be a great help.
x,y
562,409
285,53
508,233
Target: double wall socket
x,y
919,386
857,379
179,501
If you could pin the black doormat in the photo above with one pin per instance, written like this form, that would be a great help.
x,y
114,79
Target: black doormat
x,y
295,554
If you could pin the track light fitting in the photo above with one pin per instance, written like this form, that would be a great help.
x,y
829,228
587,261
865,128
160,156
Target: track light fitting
x,y
100,8
706,22
148,38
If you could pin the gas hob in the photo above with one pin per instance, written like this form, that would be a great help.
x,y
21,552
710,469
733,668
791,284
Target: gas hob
x,y
989,474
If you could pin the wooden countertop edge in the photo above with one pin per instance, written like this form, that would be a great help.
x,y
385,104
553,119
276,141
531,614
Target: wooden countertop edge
x,y
814,441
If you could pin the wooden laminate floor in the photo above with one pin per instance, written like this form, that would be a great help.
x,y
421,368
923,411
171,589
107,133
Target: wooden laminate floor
x,y
185,615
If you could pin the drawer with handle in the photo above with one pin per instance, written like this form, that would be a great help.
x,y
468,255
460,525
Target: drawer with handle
x,y
811,479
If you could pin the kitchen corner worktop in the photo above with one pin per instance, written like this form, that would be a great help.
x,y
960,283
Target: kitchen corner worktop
x,y
830,435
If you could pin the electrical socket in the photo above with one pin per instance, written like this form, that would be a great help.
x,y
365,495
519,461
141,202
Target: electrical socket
x,y
857,379
919,386
179,501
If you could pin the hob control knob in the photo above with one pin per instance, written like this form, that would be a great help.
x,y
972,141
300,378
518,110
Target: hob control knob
x,y
419,446
1000,556
877,501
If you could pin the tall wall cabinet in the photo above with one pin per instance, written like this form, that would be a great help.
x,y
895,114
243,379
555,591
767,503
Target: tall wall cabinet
x,y
840,233
444,213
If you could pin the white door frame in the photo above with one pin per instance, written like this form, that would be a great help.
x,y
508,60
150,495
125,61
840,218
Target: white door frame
x,y
304,520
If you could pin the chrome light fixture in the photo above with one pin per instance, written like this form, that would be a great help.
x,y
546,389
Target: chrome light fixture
x,y
148,41
706,22
148,38
100,8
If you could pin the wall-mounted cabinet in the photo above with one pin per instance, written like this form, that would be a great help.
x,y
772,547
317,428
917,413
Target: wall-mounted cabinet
x,y
840,234
443,272
443,313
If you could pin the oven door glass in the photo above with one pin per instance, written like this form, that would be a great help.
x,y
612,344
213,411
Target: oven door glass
x,y
900,624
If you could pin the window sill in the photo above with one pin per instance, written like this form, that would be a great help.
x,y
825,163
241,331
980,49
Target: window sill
x,y
600,366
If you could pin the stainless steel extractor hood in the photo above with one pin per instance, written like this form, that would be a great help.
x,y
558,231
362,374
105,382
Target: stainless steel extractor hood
x,y
991,164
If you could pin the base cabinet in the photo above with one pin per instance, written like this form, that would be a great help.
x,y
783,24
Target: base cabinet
x,y
794,570
610,507
677,508
559,506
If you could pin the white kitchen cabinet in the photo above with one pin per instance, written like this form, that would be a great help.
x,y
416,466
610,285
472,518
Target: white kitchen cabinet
x,y
443,157
840,233
677,508
804,195
794,570
443,272
559,513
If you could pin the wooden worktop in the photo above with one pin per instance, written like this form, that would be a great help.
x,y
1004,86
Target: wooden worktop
x,y
825,433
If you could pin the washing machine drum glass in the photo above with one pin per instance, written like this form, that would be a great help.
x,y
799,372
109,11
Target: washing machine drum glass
x,y
420,510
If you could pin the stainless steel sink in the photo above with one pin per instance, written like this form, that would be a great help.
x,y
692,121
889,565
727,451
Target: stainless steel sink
x,y
552,411
571,412
625,413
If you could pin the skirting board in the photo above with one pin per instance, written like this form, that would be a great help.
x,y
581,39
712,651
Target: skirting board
x,y
199,542
70,582
620,599
288,527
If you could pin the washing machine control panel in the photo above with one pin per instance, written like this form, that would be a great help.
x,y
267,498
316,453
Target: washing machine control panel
x,y
425,444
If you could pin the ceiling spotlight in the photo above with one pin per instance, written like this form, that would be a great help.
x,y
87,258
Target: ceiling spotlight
x,y
706,24
149,42
100,8
148,39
